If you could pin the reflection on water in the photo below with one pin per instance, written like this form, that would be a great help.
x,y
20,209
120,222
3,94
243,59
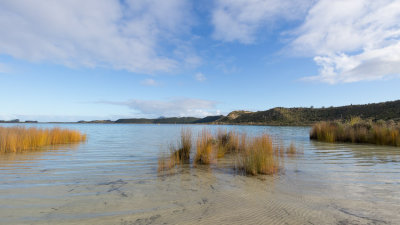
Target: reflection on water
x,y
112,179
29,159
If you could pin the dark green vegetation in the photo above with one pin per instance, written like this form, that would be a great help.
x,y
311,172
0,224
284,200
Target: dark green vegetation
x,y
357,130
289,116
279,116
169,120
307,116
172,120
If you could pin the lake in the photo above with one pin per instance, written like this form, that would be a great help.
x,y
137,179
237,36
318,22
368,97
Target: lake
x,y
112,179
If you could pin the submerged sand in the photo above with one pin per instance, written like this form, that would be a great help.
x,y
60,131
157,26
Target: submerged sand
x,y
328,184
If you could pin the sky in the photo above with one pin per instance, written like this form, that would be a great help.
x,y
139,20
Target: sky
x,y
108,59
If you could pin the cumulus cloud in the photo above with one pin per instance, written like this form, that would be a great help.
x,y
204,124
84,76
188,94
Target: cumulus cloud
x,y
175,107
200,77
149,82
96,33
239,20
351,40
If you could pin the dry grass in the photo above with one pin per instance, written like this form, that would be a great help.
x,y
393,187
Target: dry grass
x,y
204,151
184,145
292,150
357,131
259,156
19,139
227,142
178,154
167,162
254,155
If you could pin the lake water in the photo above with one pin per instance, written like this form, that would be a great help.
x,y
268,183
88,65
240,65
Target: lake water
x,y
112,179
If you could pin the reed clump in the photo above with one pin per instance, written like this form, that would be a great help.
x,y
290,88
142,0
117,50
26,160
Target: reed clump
x,y
19,139
227,142
259,156
204,151
182,152
179,153
254,155
292,149
357,130
167,162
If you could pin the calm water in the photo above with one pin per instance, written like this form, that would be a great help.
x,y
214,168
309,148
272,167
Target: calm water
x,y
112,179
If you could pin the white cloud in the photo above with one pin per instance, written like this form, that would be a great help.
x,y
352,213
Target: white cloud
x,y
96,33
174,107
239,20
149,82
200,77
352,40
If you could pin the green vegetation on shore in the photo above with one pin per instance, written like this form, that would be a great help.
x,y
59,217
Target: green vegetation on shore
x,y
308,116
19,139
357,130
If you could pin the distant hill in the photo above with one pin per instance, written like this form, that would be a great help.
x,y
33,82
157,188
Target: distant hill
x,y
277,116
208,119
282,116
169,120
306,116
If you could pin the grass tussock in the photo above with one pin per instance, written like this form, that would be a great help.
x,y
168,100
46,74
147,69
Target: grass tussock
x,y
19,139
178,154
204,151
184,146
254,155
259,156
167,162
227,142
292,150
357,130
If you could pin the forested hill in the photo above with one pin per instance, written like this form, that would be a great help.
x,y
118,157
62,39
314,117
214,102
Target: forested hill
x,y
282,116
305,116
172,120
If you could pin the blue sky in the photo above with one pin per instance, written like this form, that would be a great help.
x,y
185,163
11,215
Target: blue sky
x,y
109,59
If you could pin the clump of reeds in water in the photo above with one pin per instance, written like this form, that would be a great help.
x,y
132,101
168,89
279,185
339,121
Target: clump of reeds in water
x,y
254,155
357,130
19,139
259,156
227,142
179,153
204,145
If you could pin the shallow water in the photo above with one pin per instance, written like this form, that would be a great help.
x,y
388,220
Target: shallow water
x,y
112,179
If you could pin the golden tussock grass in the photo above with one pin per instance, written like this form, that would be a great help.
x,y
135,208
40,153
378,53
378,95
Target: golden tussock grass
x,y
167,162
178,154
292,149
254,155
259,156
227,142
204,151
19,139
357,130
